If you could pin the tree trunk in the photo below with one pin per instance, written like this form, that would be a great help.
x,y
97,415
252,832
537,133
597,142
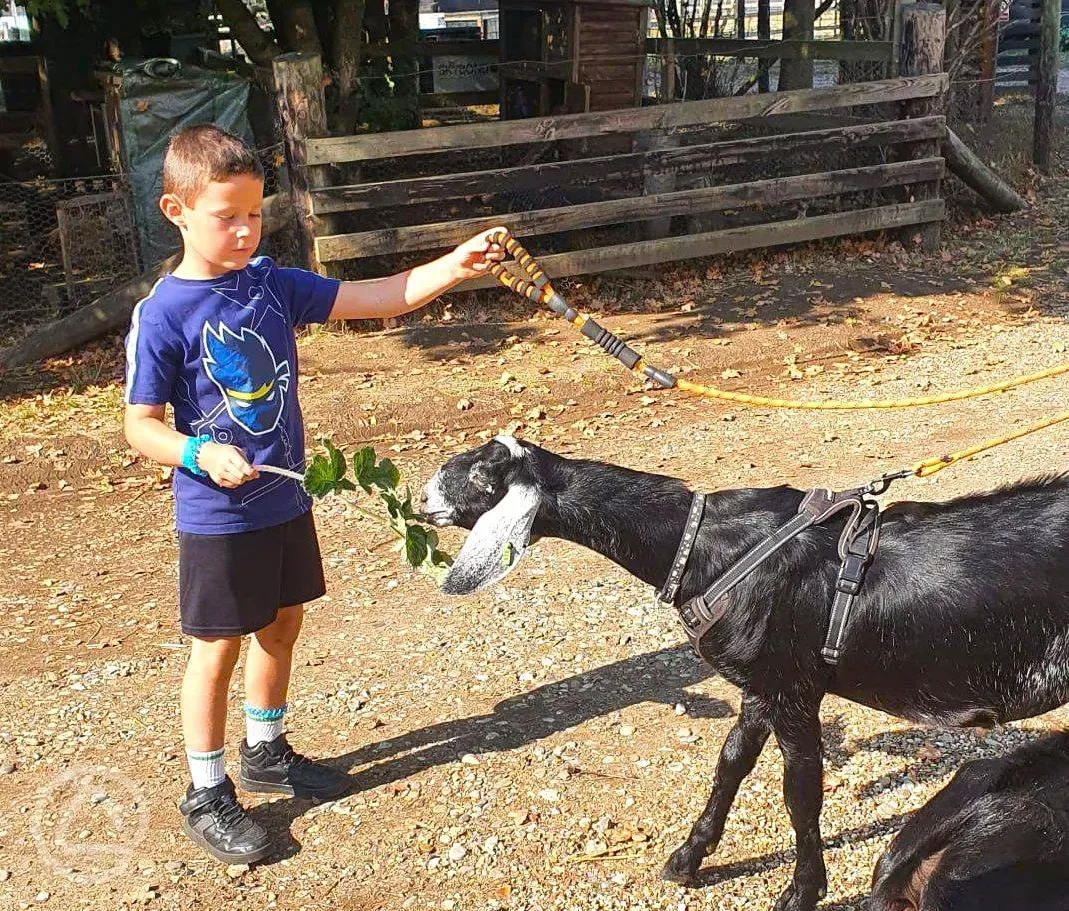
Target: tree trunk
x,y
346,44
798,17
259,46
764,32
374,70
1047,86
302,109
923,39
404,27
295,25
977,175
920,54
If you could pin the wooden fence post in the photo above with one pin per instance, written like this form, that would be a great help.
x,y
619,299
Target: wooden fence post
x,y
299,94
921,54
668,71
1047,85
764,33
656,182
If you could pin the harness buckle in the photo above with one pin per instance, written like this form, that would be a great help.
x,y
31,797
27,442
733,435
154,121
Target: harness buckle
x,y
851,573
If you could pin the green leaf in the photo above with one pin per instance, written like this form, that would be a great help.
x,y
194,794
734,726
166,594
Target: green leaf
x,y
319,477
416,546
337,460
385,475
363,462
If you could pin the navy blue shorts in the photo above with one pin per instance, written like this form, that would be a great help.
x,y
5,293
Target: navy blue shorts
x,y
233,585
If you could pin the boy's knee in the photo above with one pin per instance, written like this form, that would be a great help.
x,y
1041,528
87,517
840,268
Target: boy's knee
x,y
216,654
283,631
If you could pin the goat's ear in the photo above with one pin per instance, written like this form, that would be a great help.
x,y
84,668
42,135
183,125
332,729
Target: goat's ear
x,y
496,544
488,472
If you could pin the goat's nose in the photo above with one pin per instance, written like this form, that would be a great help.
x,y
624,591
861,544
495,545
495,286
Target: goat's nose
x,y
423,497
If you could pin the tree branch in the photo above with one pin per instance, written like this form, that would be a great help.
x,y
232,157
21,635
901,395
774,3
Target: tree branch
x,y
260,47
295,25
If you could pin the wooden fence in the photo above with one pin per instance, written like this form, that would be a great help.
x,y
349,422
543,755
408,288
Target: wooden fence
x,y
898,190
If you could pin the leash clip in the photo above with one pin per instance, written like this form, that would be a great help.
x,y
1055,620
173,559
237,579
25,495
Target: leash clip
x,y
883,483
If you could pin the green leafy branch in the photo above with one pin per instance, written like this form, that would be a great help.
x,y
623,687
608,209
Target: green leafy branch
x,y
328,474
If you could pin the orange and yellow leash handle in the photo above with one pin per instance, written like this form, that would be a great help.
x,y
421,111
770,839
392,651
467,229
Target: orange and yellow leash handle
x,y
538,289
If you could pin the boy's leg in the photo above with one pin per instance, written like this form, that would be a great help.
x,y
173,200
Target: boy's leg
x,y
213,818
268,763
267,673
204,693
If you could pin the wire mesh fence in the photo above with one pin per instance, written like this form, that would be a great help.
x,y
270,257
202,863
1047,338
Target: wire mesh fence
x,y
66,242
63,242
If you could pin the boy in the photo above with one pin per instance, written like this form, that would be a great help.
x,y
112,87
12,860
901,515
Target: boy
x,y
215,339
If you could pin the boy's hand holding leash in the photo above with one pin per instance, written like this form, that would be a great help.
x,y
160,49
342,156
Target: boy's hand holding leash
x,y
473,258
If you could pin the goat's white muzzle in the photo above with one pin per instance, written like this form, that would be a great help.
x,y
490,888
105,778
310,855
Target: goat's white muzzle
x,y
435,508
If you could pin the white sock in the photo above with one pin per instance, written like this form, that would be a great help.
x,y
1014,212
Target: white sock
x,y
263,725
207,769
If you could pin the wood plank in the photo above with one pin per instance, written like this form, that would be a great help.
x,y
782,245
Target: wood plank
x,y
687,159
613,26
22,64
877,51
1019,44
489,48
662,205
579,126
609,73
733,240
457,99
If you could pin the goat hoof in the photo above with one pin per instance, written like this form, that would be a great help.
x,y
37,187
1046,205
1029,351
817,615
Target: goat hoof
x,y
679,870
793,900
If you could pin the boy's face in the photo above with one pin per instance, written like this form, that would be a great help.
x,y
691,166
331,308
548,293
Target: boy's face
x,y
222,226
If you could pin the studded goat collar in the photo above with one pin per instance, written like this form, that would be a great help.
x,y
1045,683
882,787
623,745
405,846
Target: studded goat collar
x,y
667,595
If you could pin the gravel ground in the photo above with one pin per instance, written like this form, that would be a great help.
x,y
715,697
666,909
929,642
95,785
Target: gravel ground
x,y
546,744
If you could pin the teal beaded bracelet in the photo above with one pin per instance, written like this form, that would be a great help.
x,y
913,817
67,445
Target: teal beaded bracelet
x,y
191,452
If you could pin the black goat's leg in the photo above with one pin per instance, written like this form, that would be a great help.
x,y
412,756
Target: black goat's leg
x,y
798,735
737,757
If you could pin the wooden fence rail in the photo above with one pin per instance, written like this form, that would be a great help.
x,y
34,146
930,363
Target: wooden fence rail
x,y
616,211
705,158
582,126
717,146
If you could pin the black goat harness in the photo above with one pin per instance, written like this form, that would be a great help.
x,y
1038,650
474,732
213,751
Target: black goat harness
x,y
857,547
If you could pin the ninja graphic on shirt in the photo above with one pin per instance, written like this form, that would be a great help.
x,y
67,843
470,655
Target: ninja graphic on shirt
x,y
244,369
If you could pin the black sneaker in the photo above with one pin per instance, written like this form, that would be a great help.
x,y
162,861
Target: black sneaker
x,y
275,768
218,823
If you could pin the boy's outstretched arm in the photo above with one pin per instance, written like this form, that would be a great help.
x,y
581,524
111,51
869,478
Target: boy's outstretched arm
x,y
394,295
148,432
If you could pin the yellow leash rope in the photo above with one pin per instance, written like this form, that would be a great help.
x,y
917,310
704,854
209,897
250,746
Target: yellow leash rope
x,y
536,287
928,467
959,395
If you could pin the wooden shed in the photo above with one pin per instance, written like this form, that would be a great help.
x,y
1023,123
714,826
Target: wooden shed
x,y
571,56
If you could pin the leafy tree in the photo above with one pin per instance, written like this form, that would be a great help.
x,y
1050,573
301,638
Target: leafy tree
x,y
337,30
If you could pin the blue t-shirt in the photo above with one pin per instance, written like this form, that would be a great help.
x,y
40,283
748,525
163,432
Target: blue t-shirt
x,y
222,352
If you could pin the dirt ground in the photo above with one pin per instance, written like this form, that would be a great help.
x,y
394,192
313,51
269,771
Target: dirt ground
x,y
546,744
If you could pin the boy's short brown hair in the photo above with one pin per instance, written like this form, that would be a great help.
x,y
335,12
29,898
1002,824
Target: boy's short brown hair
x,y
202,153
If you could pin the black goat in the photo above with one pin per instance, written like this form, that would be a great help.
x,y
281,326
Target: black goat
x,y
995,839
963,619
